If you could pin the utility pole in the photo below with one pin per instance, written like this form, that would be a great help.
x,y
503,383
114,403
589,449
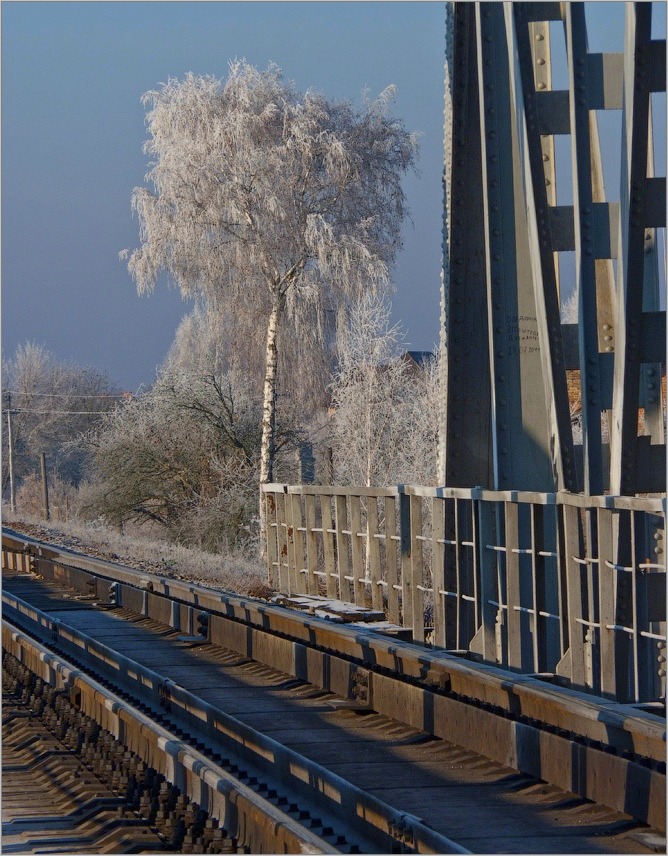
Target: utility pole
x,y
10,445
45,487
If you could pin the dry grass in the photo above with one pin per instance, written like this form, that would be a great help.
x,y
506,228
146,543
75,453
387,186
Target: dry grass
x,y
238,572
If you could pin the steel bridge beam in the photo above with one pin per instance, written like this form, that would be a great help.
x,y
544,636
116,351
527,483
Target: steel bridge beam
x,y
509,358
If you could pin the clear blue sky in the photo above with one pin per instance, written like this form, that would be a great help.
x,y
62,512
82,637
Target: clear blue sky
x,y
73,127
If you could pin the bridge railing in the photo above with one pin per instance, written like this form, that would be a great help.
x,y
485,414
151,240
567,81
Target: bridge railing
x,y
560,584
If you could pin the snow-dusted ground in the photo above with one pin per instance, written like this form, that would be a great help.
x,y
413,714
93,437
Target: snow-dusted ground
x,y
234,572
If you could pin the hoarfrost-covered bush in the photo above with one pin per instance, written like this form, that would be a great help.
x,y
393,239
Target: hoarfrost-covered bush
x,y
53,403
384,428
183,456
64,498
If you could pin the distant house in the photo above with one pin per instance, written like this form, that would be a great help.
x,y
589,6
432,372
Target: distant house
x,y
417,359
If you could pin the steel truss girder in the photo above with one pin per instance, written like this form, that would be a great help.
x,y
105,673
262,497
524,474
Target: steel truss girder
x,y
507,421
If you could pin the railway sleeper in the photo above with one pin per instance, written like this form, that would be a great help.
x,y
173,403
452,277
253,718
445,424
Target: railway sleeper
x,y
183,825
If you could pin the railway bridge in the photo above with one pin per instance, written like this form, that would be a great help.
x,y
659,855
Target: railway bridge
x,y
478,666
543,551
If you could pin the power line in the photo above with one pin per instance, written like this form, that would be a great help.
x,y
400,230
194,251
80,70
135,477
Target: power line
x,y
65,394
69,412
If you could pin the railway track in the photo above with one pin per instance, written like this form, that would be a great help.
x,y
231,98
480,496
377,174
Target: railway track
x,y
290,733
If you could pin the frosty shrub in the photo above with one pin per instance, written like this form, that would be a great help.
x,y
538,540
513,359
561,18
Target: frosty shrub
x,y
53,403
384,429
64,499
184,456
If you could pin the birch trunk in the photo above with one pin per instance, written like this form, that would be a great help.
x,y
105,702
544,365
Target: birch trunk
x,y
268,444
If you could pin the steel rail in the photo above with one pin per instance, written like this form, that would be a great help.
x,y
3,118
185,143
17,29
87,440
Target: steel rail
x,y
623,727
547,731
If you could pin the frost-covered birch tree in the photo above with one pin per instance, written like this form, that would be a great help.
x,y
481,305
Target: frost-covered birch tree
x,y
269,203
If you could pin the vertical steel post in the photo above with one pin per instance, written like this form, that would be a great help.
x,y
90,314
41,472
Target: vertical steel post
x,y
439,555
635,193
373,552
520,435
650,375
313,586
585,269
533,73
466,456
272,552
329,546
485,642
405,543
395,610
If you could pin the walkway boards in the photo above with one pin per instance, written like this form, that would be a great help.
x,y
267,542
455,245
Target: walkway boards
x,y
483,806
